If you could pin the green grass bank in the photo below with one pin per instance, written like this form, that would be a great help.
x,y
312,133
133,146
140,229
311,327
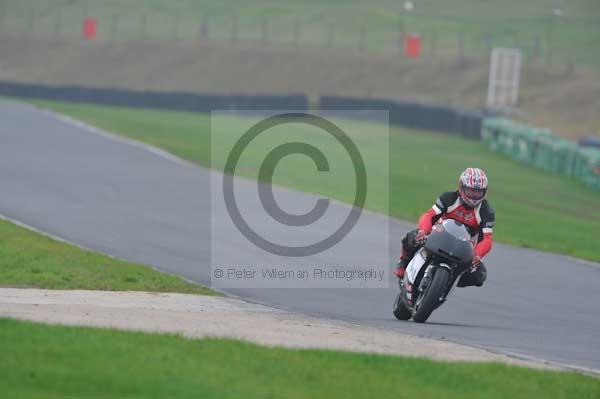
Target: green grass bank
x,y
29,259
38,361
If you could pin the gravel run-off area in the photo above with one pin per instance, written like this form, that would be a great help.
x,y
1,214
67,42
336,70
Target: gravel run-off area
x,y
207,316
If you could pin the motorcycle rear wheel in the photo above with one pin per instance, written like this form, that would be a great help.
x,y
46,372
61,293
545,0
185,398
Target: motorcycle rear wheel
x,y
400,310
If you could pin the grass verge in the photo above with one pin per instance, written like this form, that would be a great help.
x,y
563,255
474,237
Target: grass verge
x,y
533,208
28,259
38,360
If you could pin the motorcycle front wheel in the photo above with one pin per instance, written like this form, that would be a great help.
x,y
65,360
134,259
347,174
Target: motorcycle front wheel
x,y
432,295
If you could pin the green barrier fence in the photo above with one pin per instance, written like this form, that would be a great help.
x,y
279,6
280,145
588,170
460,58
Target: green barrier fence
x,y
589,171
542,149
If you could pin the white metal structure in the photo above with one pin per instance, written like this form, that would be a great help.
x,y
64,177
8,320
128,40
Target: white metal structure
x,y
503,86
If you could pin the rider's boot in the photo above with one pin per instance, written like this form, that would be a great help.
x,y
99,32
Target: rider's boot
x,y
402,263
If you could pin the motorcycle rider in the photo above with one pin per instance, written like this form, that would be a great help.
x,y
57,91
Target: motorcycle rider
x,y
466,205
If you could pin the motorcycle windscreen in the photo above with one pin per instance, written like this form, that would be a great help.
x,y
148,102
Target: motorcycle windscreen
x,y
415,266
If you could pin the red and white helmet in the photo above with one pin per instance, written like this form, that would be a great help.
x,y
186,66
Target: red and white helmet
x,y
472,186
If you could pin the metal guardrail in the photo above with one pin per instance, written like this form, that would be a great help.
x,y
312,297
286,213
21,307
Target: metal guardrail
x,y
409,114
180,101
465,123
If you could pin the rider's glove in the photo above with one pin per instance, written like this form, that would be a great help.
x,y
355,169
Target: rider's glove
x,y
476,261
420,238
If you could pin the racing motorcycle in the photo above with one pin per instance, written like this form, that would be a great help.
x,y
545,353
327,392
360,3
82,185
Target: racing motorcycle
x,y
433,271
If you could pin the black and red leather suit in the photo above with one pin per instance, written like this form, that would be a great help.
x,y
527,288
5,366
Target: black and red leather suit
x,y
479,221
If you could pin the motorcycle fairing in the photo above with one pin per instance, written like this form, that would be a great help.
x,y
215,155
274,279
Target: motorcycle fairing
x,y
414,266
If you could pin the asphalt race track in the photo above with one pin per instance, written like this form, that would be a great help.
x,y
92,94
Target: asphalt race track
x,y
140,205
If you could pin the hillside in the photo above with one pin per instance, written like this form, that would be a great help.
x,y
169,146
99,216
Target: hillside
x,y
564,99
555,32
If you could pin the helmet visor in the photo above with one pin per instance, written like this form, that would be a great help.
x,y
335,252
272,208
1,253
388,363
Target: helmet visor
x,y
474,193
